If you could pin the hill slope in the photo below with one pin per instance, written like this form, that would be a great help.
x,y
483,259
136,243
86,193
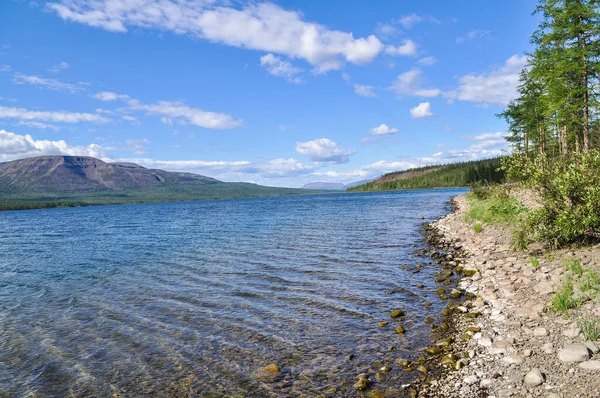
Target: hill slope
x,y
59,181
449,175
81,173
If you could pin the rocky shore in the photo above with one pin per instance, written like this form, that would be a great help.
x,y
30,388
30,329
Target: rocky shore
x,y
506,342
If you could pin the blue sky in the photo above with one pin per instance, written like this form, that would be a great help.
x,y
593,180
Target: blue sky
x,y
279,93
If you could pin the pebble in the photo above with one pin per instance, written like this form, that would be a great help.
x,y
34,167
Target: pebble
x,y
590,365
574,353
574,332
514,359
592,347
534,378
470,380
540,332
485,342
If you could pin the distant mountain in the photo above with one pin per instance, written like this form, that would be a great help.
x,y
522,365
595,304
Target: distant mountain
x,y
325,186
83,173
333,186
52,181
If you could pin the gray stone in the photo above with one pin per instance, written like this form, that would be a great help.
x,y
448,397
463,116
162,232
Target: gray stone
x,y
592,347
514,359
534,378
470,380
548,348
574,353
573,332
486,383
540,332
590,365
485,342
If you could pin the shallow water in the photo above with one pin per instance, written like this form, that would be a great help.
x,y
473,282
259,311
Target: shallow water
x,y
185,299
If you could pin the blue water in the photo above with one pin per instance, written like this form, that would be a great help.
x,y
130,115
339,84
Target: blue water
x,y
191,298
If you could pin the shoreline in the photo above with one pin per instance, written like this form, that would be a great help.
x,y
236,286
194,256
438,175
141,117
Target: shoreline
x,y
505,341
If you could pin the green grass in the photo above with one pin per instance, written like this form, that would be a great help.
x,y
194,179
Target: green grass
x,y
589,280
439,176
590,328
477,228
573,265
535,262
563,300
493,210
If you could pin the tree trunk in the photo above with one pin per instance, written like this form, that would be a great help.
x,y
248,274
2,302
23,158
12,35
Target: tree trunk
x,y
564,150
541,137
586,127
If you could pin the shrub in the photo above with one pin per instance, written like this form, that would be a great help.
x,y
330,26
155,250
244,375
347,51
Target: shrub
x,y
569,189
590,280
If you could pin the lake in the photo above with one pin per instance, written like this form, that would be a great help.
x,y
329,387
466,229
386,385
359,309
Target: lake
x,y
192,298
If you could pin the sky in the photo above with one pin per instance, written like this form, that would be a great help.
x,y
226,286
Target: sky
x,y
279,93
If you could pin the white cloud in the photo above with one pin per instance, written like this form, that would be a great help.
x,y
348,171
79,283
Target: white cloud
x,y
14,146
184,114
138,147
236,170
498,87
408,48
386,29
409,83
421,111
409,20
110,96
53,116
324,150
51,84
364,91
59,67
426,61
277,67
474,34
383,129
5,68
284,127
131,119
39,125
175,111
264,26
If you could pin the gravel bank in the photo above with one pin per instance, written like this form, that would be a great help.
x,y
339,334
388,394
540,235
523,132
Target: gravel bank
x,y
516,347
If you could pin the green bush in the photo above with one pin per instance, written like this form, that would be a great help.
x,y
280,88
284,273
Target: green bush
x,y
569,190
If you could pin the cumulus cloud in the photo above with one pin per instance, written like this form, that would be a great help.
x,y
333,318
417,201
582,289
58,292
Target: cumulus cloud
x,y
421,111
497,87
52,116
59,67
50,84
474,34
409,83
14,146
175,111
324,150
383,129
364,91
408,47
278,67
264,27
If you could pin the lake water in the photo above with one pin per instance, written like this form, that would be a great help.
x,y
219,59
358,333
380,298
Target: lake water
x,y
191,298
